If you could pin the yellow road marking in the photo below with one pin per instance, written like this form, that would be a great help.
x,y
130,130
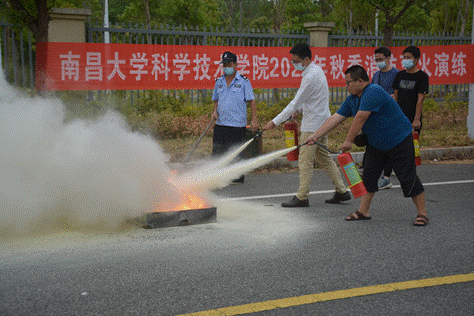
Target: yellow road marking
x,y
335,295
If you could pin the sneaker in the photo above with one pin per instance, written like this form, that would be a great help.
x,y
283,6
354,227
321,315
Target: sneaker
x,y
385,183
339,197
361,171
295,202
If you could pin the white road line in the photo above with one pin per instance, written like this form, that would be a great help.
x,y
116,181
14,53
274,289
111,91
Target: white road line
x,y
271,196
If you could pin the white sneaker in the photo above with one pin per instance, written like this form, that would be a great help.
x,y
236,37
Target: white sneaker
x,y
385,183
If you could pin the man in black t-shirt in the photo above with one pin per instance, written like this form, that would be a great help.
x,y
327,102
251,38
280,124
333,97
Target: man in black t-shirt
x,y
411,85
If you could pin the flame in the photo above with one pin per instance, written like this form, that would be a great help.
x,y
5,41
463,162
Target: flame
x,y
192,202
188,201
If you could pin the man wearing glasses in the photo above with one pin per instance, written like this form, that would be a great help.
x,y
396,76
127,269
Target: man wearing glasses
x,y
312,99
389,138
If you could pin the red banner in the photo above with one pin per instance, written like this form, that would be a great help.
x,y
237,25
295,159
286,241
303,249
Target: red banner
x,y
87,66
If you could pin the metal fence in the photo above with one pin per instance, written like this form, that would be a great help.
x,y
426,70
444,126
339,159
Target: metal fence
x,y
18,56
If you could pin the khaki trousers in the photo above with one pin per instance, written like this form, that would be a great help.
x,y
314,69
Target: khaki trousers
x,y
310,154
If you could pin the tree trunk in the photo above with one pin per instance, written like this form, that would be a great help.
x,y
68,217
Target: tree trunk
x,y
387,35
146,8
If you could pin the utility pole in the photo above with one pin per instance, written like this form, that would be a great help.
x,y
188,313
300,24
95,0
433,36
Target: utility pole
x,y
106,21
470,115
377,25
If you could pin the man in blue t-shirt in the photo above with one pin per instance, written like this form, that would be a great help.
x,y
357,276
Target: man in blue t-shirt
x,y
384,78
389,139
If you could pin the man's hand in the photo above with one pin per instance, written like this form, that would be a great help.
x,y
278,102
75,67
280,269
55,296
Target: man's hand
x,y
311,140
254,125
295,115
214,115
269,125
416,124
346,146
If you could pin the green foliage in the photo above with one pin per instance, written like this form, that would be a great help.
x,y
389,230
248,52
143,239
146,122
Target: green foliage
x,y
266,113
430,105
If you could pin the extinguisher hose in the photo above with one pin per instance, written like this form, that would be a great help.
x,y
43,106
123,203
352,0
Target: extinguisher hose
x,y
258,133
322,146
326,149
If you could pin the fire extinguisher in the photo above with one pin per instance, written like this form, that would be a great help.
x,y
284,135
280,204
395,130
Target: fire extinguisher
x,y
291,137
416,143
352,175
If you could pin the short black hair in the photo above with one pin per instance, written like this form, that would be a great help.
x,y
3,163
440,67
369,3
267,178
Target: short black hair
x,y
357,72
383,50
415,51
301,50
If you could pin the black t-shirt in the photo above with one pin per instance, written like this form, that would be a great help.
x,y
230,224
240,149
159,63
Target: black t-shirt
x,y
409,86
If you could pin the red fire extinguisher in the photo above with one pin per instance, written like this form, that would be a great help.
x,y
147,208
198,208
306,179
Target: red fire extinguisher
x,y
352,175
291,137
416,143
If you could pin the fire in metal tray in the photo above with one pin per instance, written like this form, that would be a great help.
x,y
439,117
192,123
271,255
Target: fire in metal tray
x,y
193,210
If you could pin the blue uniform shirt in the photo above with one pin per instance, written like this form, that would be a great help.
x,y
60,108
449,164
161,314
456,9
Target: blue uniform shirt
x,y
385,79
232,100
386,126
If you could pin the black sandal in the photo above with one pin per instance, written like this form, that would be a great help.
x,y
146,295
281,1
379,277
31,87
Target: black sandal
x,y
359,217
421,220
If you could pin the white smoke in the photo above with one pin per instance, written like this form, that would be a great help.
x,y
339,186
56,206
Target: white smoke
x,y
89,174
55,174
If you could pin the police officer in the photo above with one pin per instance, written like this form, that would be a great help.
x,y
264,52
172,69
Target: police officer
x,y
232,93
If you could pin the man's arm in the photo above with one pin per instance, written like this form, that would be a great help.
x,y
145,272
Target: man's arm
x,y
330,124
395,94
254,122
214,114
419,109
304,91
355,129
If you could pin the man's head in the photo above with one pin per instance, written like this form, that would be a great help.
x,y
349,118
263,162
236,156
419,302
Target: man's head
x,y
301,56
356,79
411,56
382,57
229,62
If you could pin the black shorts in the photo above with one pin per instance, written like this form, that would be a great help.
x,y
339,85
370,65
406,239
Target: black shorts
x,y
225,137
402,158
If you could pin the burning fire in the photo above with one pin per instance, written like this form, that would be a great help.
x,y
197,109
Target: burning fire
x,y
189,200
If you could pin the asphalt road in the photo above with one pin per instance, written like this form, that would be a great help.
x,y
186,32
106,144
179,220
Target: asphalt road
x,y
257,252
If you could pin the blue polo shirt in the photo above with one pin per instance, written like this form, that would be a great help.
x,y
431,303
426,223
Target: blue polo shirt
x,y
386,126
232,100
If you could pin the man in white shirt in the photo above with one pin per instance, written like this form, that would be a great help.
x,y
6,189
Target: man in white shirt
x,y
312,99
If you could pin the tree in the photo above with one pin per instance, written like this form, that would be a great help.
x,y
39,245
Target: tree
x,y
452,16
33,14
352,15
393,11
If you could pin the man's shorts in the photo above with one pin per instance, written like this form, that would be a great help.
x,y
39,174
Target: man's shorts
x,y
402,158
